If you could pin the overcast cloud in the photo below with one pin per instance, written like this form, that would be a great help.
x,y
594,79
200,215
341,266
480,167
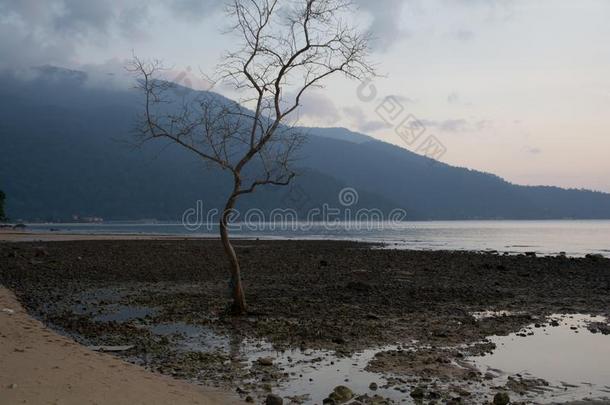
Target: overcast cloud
x,y
503,74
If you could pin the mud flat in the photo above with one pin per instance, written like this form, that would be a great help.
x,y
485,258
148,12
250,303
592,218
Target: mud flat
x,y
374,325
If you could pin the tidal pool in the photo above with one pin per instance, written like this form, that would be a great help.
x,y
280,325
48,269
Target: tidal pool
x,y
572,359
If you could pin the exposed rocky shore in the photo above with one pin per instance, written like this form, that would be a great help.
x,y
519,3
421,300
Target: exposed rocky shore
x,y
317,296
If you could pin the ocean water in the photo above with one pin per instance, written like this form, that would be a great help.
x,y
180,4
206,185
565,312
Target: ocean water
x,y
575,238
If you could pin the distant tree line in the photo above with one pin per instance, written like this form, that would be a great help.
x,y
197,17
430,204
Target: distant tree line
x,y
2,197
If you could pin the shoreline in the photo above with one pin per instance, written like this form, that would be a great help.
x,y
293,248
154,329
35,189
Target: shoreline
x,y
331,299
38,365
14,236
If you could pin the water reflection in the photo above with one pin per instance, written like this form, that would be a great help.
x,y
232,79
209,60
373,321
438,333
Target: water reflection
x,y
575,361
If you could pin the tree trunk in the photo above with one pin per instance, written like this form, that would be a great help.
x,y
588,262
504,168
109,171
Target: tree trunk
x,y
239,300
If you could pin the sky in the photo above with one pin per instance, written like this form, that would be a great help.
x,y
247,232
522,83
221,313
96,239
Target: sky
x,y
518,88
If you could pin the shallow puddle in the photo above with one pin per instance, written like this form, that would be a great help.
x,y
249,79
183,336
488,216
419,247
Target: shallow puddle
x,y
123,313
193,337
312,374
575,361
554,361
315,373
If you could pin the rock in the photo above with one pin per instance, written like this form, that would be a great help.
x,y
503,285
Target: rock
x,y
417,393
339,340
273,399
249,399
13,386
530,254
341,394
562,254
595,256
358,286
323,263
373,386
265,361
554,323
501,398
40,252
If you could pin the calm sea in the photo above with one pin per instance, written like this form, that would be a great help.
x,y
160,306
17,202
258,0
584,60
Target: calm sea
x,y
576,238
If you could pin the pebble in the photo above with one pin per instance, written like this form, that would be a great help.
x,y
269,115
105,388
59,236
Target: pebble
x,y
273,399
265,361
417,392
501,398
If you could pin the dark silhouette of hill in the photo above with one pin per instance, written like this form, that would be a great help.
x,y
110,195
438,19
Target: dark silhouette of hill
x,y
67,148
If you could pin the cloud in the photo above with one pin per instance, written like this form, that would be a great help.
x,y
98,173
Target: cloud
x,y
402,99
455,98
463,35
34,32
318,108
533,150
457,125
194,10
359,121
385,26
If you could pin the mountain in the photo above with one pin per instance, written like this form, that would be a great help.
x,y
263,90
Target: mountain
x,y
67,148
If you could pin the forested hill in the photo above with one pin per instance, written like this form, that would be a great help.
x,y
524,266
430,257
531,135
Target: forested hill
x,y
66,149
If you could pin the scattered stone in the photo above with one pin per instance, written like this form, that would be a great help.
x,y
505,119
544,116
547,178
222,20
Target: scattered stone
x,y
501,398
417,393
594,256
373,386
339,340
40,252
249,399
273,399
530,254
265,361
340,395
8,311
13,386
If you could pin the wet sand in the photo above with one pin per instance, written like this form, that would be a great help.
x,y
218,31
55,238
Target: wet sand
x,y
39,366
339,297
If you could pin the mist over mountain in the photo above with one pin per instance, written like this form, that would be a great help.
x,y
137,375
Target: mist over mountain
x,y
67,149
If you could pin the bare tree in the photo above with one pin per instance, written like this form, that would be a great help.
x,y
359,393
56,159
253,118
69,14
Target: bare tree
x,y
286,48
